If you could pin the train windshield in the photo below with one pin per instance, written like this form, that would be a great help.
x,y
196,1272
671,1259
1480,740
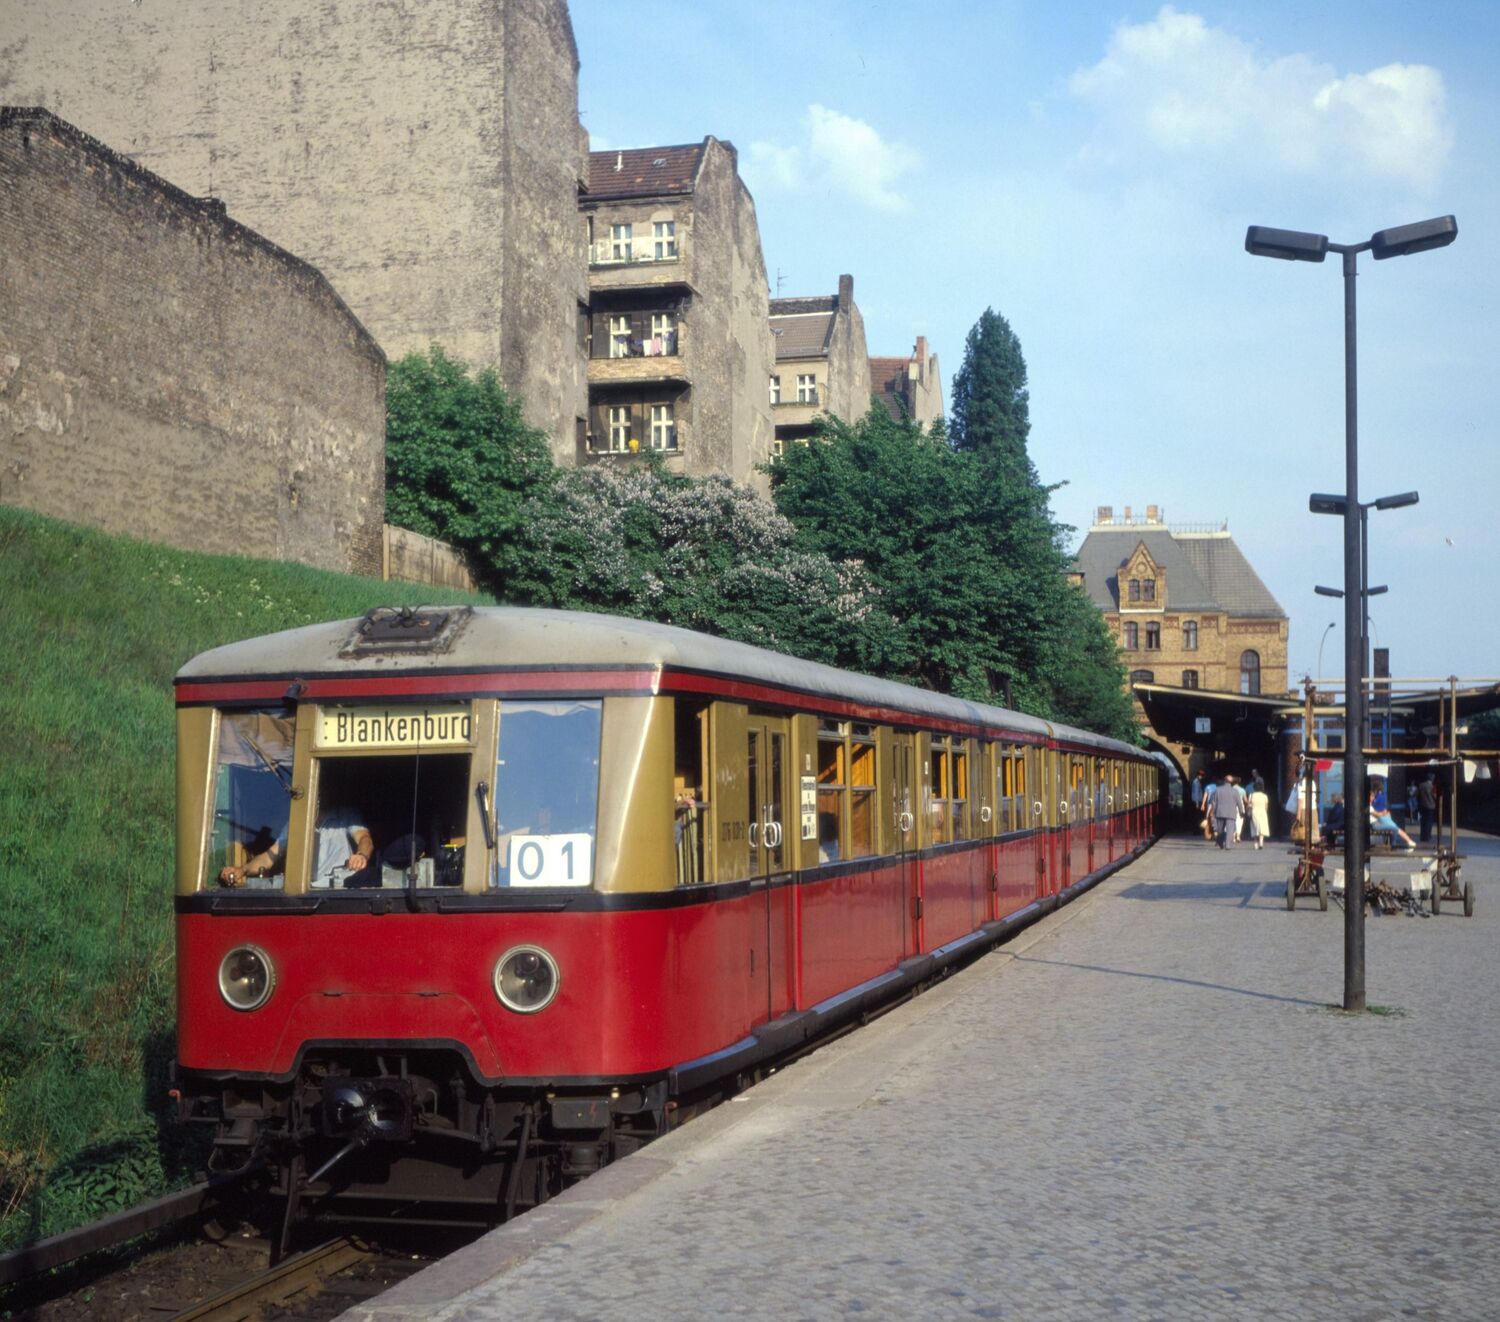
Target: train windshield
x,y
547,792
252,796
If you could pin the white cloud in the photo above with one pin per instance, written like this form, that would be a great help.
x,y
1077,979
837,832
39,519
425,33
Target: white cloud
x,y
842,155
1199,94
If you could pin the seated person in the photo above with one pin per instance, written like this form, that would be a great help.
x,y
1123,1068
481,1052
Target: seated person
x,y
1381,819
1333,825
343,841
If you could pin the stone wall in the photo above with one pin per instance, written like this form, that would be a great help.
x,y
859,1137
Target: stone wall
x,y
424,156
167,373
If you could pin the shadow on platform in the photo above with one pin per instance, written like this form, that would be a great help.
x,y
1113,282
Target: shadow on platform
x,y
1163,977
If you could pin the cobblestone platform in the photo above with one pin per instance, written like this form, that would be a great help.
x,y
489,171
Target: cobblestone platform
x,y
1146,1106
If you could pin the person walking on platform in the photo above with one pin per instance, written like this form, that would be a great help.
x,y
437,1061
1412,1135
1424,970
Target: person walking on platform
x,y
1208,809
1427,805
1228,800
1260,813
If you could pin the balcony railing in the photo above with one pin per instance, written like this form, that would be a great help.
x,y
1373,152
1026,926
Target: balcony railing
x,y
802,399
606,252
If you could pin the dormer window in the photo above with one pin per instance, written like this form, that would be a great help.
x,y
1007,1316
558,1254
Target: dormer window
x,y
1135,589
1148,589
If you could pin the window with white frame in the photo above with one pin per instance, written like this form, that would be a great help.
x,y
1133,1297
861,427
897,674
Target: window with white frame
x,y
775,390
663,427
778,446
619,428
619,337
620,242
807,388
663,333
664,233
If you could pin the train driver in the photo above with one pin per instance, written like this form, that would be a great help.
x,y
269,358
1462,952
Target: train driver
x,y
343,842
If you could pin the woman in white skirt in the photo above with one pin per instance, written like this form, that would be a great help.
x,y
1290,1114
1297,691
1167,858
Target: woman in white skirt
x,y
1260,820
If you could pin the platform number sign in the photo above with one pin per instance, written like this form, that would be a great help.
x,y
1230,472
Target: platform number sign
x,y
1202,725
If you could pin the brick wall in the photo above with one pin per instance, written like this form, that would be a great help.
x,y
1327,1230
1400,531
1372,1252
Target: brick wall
x,y
423,155
167,373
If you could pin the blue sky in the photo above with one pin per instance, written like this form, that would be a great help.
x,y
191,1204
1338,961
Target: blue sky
x,y
1089,171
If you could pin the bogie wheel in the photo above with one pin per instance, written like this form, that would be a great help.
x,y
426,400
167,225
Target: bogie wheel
x,y
1291,891
1468,899
1322,893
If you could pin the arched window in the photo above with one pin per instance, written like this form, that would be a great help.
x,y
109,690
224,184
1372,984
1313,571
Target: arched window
x,y
1250,673
1142,677
1153,637
1189,679
1190,635
1132,635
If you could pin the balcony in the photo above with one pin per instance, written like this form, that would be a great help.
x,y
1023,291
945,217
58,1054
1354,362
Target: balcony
x,y
609,268
798,412
658,358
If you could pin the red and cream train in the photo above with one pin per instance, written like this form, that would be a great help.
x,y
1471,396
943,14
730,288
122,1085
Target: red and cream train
x,y
618,866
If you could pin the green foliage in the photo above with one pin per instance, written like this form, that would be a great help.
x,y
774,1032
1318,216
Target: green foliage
x,y
460,460
702,554
101,624
967,560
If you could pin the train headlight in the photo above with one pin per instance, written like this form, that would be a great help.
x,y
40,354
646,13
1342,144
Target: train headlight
x,y
526,979
247,977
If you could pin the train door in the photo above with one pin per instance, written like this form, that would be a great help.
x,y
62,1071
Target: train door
x,y
767,775
1060,837
986,828
905,791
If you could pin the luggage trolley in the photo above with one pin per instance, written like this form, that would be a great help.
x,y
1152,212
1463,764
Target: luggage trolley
x,y
1442,864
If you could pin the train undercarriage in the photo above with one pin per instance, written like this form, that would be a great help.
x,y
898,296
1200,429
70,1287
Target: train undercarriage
x,y
411,1135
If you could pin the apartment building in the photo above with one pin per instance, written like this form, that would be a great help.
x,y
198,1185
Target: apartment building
x,y
909,387
676,333
822,364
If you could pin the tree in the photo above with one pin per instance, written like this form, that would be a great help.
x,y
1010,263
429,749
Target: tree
x,y
460,460
703,554
965,554
990,400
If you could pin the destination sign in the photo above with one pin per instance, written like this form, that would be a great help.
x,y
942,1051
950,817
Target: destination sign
x,y
450,725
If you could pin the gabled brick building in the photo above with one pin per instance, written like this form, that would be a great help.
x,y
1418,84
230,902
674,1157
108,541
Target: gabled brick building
x,y
676,332
1184,604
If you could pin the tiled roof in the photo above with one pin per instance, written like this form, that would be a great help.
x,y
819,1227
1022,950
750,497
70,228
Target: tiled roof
x,y
888,375
804,334
644,171
1204,573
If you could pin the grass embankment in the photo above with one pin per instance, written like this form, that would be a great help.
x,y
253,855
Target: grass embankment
x,y
92,629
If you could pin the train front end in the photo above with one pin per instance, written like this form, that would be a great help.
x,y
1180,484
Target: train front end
x,y
399,978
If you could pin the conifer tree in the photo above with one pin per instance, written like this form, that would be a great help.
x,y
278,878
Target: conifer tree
x,y
990,399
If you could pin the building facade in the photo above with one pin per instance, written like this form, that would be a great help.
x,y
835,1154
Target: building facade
x,y
909,387
1184,605
676,334
167,373
822,364
425,157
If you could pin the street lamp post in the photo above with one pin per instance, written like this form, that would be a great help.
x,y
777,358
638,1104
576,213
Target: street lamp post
x,y
1297,246
1321,641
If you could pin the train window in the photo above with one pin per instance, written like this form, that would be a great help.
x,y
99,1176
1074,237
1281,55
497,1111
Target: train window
x,y
833,790
959,794
252,794
861,791
413,806
546,795
690,789
940,790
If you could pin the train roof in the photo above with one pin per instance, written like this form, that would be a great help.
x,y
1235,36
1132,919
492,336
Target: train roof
x,y
485,638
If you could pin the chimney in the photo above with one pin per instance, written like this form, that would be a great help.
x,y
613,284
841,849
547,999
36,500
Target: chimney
x,y
846,292
1127,514
1106,514
920,353
1152,513
619,161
